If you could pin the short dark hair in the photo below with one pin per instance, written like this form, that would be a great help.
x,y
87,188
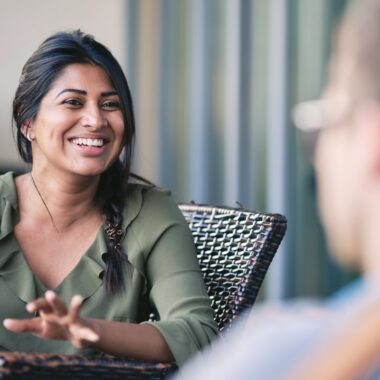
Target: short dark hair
x,y
38,74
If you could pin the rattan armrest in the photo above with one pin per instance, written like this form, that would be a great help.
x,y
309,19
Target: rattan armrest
x,y
18,365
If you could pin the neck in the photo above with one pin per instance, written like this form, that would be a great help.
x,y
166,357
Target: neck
x,y
64,199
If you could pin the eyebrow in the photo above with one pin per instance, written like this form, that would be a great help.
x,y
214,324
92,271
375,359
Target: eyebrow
x,y
82,92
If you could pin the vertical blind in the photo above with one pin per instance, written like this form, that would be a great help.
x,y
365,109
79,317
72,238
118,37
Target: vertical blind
x,y
213,83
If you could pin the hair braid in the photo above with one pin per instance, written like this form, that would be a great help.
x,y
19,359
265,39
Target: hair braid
x,y
111,199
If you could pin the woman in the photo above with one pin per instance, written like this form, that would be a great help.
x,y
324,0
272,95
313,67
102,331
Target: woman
x,y
85,255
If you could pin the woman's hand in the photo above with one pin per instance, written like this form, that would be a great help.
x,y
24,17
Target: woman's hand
x,y
56,321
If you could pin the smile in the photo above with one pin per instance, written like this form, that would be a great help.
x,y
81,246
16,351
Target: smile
x,y
88,142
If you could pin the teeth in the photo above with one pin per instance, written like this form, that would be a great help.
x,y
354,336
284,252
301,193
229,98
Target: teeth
x,y
88,142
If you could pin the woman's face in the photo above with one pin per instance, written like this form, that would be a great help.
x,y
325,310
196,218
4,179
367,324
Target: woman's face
x,y
79,127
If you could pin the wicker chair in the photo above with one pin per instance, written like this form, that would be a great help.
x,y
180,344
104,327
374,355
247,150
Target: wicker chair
x,y
234,248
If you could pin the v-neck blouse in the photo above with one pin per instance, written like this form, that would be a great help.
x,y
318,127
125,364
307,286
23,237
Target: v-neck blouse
x,y
164,276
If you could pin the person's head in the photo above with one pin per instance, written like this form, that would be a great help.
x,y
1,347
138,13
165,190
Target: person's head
x,y
43,68
348,150
69,60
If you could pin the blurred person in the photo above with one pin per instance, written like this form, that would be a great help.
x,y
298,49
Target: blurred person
x,y
85,254
318,339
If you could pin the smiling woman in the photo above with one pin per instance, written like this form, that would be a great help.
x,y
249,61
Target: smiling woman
x,y
80,118
85,255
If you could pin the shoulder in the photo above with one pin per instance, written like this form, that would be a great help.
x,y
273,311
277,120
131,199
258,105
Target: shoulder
x,y
154,223
266,342
151,214
7,184
8,203
7,190
154,205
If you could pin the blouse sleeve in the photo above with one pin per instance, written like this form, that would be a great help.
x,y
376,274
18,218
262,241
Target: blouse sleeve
x,y
175,281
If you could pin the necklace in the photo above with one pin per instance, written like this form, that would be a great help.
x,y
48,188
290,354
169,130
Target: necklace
x,y
43,201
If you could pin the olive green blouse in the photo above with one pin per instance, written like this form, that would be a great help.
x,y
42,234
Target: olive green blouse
x,y
163,275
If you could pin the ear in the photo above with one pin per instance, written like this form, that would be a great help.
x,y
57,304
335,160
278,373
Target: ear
x,y
27,131
367,135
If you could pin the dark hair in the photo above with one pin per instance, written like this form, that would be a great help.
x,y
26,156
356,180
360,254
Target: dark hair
x,y
38,74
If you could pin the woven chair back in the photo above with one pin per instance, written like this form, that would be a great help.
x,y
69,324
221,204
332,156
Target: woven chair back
x,y
234,249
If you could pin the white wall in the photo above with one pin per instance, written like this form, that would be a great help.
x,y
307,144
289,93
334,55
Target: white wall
x,y
24,24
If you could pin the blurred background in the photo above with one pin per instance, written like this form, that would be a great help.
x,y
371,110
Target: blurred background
x,y
214,83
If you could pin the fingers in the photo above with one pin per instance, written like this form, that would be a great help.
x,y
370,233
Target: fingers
x,y
53,309
56,321
75,305
82,335
23,325
57,305
39,305
52,304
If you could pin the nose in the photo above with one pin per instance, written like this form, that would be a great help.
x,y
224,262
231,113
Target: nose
x,y
94,118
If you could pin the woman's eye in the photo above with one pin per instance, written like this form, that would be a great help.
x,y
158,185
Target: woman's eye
x,y
111,105
73,102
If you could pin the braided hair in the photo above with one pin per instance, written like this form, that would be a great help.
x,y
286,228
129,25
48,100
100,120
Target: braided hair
x,y
39,72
